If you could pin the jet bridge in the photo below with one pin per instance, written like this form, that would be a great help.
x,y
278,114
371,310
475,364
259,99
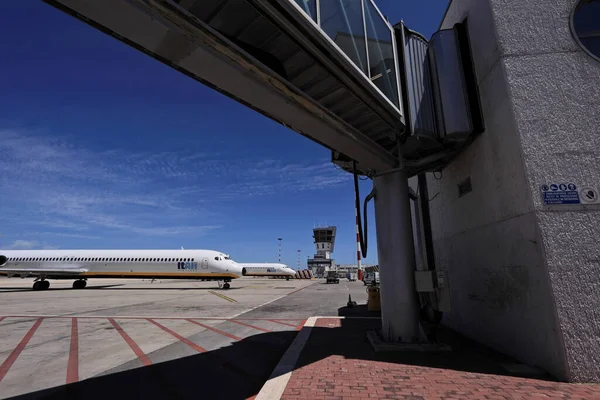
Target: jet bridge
x,y
329,73
388,103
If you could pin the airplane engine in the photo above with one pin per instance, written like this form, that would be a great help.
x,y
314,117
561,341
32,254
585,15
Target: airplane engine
x,y
244,271
3,260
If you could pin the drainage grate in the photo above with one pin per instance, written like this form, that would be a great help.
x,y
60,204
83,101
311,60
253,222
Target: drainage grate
x,y
465,187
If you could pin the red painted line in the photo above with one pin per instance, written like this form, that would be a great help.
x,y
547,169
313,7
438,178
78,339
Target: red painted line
x,y
248,325
299,327
154,318
17,351
282,323
184,340
73,364
215,330
136,349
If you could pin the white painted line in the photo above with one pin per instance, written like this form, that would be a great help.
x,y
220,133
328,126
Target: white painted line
x,y
160,317
273,389
270,301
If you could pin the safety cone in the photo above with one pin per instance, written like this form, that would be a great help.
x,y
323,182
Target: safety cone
x,y
350,302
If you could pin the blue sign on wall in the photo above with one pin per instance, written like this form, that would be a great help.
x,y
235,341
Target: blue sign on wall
x,y
560,193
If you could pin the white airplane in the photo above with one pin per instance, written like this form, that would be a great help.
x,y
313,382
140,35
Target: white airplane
x,y
267,269
83,264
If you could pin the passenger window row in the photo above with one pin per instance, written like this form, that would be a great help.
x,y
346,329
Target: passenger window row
x,y
100,259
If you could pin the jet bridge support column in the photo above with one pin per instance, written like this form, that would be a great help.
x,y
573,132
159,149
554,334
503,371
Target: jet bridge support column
x,y
395,249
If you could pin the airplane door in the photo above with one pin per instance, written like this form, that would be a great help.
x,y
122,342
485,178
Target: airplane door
x,y
205,263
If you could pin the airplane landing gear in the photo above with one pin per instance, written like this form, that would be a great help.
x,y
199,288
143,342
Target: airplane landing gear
x,y
41,285
80,284
225,284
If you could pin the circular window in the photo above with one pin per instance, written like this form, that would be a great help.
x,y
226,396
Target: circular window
x,y
585,25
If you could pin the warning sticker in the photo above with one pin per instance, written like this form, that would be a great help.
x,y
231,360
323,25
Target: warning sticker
x,y
560,193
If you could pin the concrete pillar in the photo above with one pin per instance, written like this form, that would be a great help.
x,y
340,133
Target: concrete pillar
x,y
395,250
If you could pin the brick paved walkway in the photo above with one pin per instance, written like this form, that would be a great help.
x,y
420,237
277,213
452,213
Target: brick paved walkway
x,y
338,362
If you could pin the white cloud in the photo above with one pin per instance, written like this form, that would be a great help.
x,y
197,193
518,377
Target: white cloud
x,y
50,182
23,245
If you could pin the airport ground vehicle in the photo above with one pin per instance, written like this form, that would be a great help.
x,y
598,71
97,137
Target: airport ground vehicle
x,y
371,278
332,277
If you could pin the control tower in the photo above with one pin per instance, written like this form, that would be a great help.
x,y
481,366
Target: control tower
x,y
324,240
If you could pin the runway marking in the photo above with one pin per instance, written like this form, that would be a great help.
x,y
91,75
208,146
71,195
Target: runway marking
x,y
136,349
269,302
237,321
73,364
277,382
282,323
178,336
17,351
301,324
223,296
153,317
214,329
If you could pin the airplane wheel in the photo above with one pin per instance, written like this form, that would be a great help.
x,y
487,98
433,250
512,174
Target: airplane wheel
x,y
36,285
226,285
79,284
44,285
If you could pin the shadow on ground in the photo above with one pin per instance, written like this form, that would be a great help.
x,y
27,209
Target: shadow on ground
x,y
239,371
120,287
12,289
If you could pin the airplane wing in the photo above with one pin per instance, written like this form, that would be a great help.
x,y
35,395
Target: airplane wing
x,y
42,271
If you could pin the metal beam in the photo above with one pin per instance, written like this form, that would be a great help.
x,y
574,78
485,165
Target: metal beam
x,y
213,60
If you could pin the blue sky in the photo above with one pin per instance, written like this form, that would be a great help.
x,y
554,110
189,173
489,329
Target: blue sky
x,y
103,147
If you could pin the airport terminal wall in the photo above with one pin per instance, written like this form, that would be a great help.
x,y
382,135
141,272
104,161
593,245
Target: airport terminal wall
x,y
555,90
522,275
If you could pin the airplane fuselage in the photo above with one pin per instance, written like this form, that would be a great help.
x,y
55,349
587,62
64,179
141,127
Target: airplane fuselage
x,y
267,269
84,264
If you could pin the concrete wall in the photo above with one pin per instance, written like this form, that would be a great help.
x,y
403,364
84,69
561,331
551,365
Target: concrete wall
x,y
525,277
555,90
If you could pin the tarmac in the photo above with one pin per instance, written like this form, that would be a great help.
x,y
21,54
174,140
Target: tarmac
x,y
263,339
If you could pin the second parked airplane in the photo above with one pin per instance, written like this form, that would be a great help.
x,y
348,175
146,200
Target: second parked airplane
x,y
267,269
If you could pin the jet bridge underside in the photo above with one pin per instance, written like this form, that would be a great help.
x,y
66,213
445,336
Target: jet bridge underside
x,y
263,54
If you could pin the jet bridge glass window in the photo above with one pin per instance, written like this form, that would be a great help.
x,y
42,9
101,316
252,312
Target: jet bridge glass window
x,y
585,26
342,21
382,65
309,7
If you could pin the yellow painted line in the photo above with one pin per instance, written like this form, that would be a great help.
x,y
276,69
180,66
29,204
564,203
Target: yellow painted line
x,y
222,296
